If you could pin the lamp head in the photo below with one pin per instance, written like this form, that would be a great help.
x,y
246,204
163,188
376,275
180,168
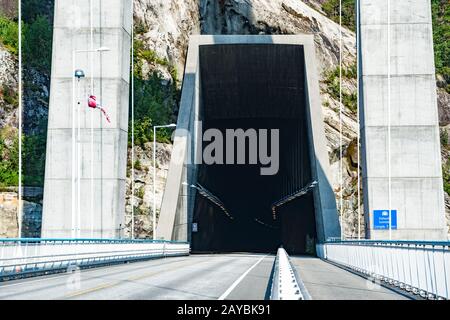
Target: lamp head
x,y
79,74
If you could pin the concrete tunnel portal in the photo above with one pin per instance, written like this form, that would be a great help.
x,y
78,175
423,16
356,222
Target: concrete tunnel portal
x,y
250,84
256,86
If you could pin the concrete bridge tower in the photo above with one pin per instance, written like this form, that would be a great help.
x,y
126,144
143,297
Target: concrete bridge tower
x,y
399,121
85,173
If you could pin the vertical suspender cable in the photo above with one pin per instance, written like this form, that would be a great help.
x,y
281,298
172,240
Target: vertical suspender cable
x,y
154,182
79,165
341,202
100,31
358,101
389,115
19,207
132,120
92,115
73,146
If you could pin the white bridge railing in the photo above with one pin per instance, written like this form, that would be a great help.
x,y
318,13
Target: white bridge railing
x,y
422,268
19,257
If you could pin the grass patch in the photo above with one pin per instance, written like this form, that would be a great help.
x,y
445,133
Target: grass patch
x,y
331,8
331,79
9,34
137,165
441,36
155,103
446,176
444,137
140,193
10,95
9,157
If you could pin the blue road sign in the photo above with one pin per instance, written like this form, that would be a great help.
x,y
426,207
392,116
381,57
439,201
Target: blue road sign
x,y
381,219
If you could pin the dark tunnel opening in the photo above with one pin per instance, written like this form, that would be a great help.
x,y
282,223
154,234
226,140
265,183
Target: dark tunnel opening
x,y
257,87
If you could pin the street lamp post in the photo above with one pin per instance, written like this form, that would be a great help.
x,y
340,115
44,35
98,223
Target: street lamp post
x,y
78,74
154,173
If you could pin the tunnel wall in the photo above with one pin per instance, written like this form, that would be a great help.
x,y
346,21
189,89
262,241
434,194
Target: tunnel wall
x,y
179,199
254,87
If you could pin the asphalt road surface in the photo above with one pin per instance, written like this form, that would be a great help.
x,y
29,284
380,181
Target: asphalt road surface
x,y
230,276
237,276
325,281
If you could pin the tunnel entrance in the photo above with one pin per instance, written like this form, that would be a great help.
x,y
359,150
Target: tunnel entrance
x,y
255,86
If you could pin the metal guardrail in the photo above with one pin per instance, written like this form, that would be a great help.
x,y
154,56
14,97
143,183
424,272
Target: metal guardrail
x,y
25,257
286,284
419,267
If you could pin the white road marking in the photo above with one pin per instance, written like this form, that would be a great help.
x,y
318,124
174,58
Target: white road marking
x,y
235,284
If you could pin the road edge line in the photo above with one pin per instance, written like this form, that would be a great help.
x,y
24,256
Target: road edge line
x,y
235,283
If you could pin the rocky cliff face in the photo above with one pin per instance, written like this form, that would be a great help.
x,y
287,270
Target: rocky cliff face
x,y
8,122
9,8
167,25
8,215
31,213
143,187
164,26
8,89
35,109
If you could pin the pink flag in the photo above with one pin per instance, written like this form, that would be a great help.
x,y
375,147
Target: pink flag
x,y
92,103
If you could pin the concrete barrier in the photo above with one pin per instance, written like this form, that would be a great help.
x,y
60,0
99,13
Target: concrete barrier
x,y
286,284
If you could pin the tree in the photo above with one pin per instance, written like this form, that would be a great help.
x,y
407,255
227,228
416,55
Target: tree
x,y
37,44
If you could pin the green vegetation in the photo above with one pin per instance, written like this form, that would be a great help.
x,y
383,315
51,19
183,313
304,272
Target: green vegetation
x,y
137,165
140,192
444,138
154,101
331,8
9,34
153,105
34,147
37,44
331,79
151,57
37,48
140,27
141,53
31,9
33,152
37,36
9,157
10,95
446,175
441,35
441,29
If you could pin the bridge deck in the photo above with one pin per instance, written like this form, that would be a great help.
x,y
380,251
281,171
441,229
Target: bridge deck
x,y
228,276
185,278
325,281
